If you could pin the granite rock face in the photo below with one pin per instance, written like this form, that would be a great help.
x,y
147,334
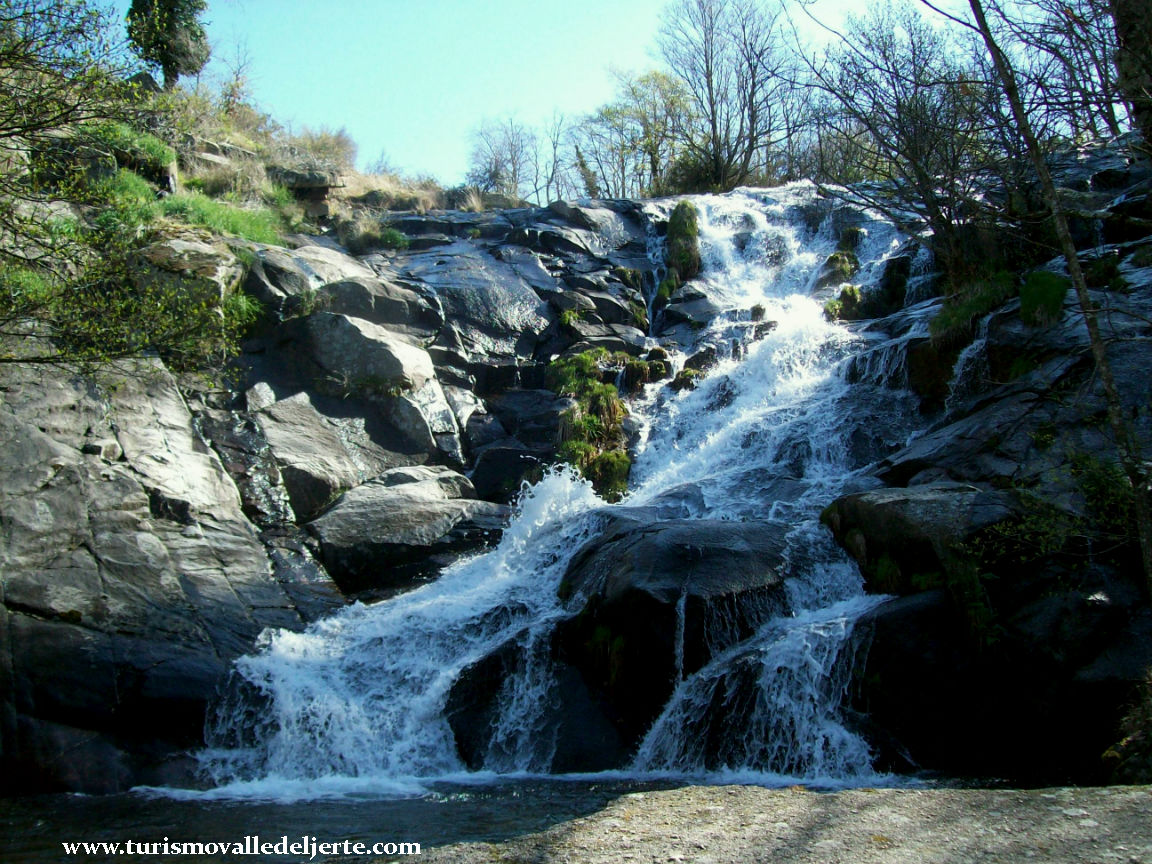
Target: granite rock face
x,y
130,580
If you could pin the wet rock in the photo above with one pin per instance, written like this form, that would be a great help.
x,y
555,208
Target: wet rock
x,y
1029,707
583,738
641,584
503,467
531,416
493,311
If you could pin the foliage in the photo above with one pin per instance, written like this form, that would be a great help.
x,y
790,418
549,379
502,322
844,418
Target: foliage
x,y
591,436
846,307
61,71
1042,297
323,148
971,302
730,59
609,473
259,225
133,148
683,245
168,35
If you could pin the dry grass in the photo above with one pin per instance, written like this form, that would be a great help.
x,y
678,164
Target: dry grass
x,y
391,192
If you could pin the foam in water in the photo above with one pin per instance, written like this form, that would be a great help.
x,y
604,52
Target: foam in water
x,y
356,702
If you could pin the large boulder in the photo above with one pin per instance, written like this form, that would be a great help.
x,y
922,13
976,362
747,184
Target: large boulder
x,y
193,263
129,580
659,600
315,458
898,535
1039,704
403,527
363,358
287,281
395,307
492,310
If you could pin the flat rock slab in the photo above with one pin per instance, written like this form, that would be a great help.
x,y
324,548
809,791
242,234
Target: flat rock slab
x,y
750,825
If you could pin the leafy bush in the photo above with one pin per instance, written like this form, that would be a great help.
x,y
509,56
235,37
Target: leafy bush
x,y
609,474
591,436
131,203
846,307
132,148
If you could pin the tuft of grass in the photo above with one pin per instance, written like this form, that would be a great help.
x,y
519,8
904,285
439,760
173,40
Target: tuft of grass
x,y
259,225
131,147
591,435
1042,298
973,301
130,201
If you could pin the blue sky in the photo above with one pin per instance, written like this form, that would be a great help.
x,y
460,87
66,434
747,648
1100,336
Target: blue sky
x,y
412,78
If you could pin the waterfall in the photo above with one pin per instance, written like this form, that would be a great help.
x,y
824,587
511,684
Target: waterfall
x,y
774,432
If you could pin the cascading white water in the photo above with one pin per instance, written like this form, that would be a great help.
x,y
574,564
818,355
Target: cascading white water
x,y
774,432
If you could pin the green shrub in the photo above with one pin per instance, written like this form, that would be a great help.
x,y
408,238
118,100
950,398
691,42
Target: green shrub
x,y
258,225
240,311
591,436
668,286
129,201
846,307
1042,298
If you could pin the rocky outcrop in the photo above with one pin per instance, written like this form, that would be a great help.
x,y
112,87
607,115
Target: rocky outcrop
x,y
1007,526
130,580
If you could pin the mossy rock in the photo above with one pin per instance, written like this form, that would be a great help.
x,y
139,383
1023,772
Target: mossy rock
x,y
841,266
846,307
850,238
686,379
683,243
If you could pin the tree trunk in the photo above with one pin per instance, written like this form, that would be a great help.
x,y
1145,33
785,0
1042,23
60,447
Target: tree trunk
x,y
1133,22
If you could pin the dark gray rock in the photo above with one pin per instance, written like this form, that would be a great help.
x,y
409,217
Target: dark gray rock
x,y
364,358
639,584
897,534
403,527
494,311
313,459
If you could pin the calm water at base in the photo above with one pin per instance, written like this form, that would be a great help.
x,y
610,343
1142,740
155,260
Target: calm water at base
x,y
33,829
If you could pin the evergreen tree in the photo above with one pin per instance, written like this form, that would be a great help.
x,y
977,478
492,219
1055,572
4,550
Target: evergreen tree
x,y
168,34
